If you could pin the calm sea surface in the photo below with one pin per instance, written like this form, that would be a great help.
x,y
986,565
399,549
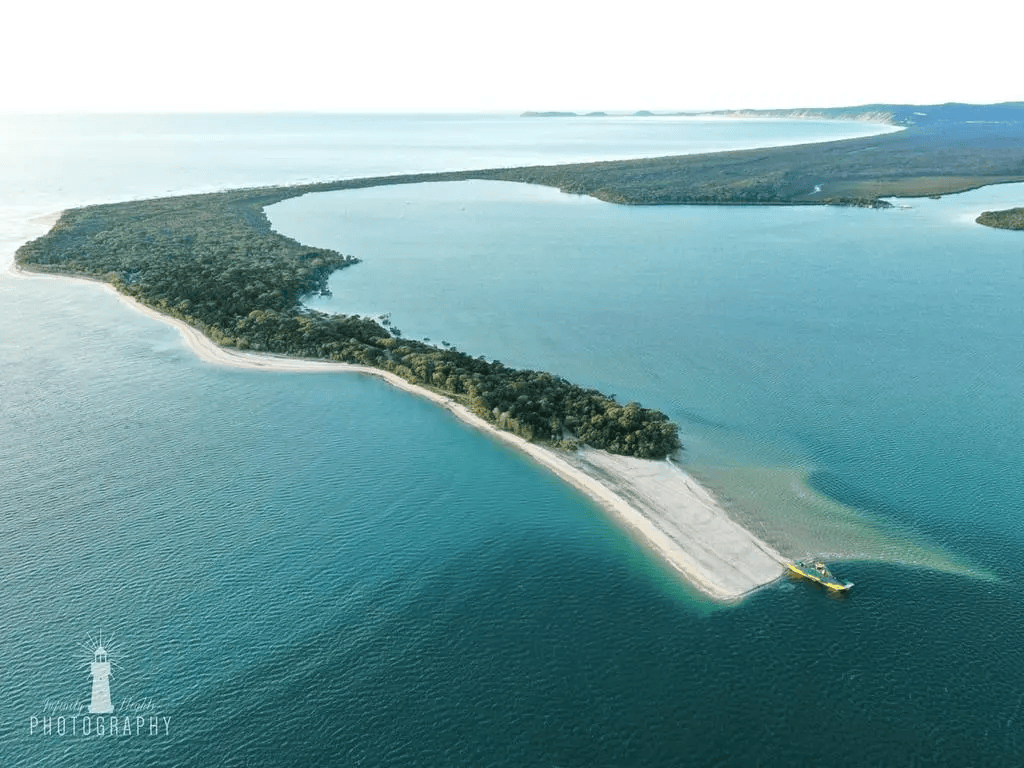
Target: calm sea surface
x,y
315,569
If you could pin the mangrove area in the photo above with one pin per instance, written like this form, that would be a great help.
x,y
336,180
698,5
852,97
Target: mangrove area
x,y
213,261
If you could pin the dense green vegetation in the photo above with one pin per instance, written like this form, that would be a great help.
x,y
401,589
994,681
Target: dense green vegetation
x,y
1008,219
212,261
943,149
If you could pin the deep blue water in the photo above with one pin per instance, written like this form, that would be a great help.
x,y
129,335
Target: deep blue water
x,y
315,569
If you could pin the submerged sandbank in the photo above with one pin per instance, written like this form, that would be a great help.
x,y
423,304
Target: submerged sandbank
x,y
665,508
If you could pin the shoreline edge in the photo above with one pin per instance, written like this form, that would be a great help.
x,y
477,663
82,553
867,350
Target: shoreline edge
x,y
665,509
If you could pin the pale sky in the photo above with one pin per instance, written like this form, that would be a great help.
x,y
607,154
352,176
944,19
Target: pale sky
x,y
457,55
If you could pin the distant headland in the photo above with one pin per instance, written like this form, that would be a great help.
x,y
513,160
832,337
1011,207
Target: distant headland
x,y
943,149
893,114
1012,218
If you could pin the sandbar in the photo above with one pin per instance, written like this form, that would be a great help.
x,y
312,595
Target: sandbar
x,y
656,502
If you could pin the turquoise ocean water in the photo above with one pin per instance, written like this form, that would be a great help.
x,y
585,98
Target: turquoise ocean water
x,y
315,569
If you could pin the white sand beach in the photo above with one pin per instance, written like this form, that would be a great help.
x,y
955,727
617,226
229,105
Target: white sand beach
x,y
663,507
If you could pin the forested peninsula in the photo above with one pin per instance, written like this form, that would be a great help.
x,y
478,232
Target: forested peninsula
x,y
213,261
942,149
1012,218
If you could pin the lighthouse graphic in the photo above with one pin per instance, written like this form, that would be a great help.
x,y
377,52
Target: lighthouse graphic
x,y
99,668
100,665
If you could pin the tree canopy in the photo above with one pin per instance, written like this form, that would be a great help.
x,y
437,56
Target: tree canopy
x,y
214,262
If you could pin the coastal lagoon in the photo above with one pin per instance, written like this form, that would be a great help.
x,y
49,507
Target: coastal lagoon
x,y
836,335
302,569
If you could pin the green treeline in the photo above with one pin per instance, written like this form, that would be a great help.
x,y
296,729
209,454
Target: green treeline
x,y
943,149
213,262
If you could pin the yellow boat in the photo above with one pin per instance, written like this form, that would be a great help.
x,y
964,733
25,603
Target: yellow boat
x,y
819,572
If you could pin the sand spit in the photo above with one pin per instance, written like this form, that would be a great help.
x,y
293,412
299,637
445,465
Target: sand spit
x,y
665,508
682,522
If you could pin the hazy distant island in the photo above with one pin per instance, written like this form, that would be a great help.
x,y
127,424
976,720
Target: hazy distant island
x,y
1012,218
550,114
212,260
892,114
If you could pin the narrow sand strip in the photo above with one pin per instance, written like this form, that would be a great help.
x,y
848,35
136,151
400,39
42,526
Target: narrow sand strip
x,y
665,508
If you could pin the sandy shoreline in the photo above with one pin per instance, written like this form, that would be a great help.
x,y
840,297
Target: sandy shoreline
x,y
662,506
